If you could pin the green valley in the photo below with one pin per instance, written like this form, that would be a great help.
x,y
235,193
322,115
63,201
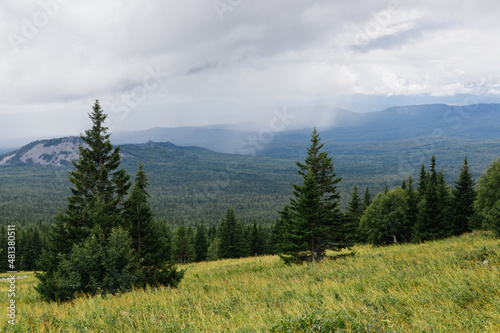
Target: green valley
x,y
192,184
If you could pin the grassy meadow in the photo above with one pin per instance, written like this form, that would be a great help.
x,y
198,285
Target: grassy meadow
x,y
451,285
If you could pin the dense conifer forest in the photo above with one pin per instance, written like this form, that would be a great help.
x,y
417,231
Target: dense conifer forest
x,y
315,219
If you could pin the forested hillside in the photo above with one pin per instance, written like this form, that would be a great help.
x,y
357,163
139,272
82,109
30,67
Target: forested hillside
x,y
188,184
194,185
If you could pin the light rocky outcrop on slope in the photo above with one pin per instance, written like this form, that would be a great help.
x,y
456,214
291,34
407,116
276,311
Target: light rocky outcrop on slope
x,y
45,152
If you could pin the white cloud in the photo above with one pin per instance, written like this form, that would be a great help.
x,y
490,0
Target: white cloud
x,y
284,50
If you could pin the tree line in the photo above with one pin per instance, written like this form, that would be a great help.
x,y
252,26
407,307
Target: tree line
x,y
181,245
427,209
313,223
108,240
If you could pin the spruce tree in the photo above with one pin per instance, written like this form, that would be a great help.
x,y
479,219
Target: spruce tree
x,y
257,242
429,223
148,239
90,248
444,219
433,173
353,216
138,213
246,238
304,231
213,249
94,208
22,244
264,236
230,237
201,243
464,196
314,222
97,176
422,182
412,205
36,247
322,166
191,235
166,238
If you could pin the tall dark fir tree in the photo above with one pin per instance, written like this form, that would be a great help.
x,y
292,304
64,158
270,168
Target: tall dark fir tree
x,y
427,224
464,195
201,243
231,239
353,216
412,205
94,208
90,248
313,221
434,202
97,180
149,240
422,182
444,219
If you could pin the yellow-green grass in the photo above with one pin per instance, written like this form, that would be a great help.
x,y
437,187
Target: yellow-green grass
x,y
443,286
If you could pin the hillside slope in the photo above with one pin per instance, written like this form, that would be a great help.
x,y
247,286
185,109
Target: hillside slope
x,y
445,286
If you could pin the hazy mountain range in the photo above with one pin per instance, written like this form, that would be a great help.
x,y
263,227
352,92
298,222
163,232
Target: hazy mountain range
x,y
196,173
478,122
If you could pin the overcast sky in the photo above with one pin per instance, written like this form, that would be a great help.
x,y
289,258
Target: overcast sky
x,y
199,62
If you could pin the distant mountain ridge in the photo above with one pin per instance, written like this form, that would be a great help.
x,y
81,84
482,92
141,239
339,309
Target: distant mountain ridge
x,y
477,122
437,121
